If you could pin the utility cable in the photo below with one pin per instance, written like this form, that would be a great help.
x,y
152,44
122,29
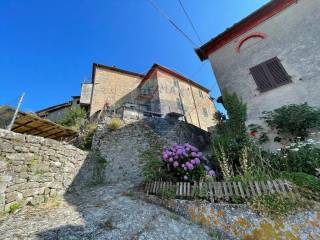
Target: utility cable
x,y
190,21
164,15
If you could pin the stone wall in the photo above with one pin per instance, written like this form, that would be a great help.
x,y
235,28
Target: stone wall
x,y
32,169
123,147
240,222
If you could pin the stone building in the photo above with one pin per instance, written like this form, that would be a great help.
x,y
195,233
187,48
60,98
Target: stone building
x,y
54,113
160,92
270,58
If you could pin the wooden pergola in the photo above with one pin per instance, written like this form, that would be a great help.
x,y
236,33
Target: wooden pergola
x,y
31,124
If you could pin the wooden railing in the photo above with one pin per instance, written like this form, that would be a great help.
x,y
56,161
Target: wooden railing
x,y
216,191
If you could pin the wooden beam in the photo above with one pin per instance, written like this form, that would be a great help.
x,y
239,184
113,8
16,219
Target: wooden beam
x,y
19,125
48,136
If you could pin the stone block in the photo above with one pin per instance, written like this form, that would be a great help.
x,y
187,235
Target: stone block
x,y
13,197
53,192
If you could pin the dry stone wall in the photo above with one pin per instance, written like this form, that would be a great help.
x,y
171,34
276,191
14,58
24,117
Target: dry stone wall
x,y
122,148
32,169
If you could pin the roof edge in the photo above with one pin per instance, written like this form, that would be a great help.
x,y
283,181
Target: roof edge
x,y
173,73
95,65
257,17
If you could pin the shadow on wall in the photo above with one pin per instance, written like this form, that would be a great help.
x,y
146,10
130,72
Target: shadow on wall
x,y
115,158
86,195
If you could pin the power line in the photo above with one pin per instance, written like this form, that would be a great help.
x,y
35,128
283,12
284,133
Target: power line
x,y
164,15
190,21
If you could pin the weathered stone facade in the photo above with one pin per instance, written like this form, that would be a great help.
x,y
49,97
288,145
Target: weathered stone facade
x,y
293,35
110,87
123,147
32,169
160,91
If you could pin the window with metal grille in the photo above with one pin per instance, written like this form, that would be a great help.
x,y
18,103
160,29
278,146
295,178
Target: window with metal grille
x,y
205,112
200,94
270,74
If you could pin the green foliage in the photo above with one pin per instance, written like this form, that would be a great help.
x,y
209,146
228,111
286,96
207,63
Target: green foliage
x,y
168,192
256,174
231,136
276,205
152,165
236,200
99,166
199,193
298,158
303,180
14,207
6,114
115,124
217,235
293,120
86,135
73,117
257,132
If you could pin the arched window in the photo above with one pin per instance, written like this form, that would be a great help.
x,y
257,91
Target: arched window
x,y
259,35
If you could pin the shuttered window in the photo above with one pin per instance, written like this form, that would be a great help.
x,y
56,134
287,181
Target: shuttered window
x,y
269,75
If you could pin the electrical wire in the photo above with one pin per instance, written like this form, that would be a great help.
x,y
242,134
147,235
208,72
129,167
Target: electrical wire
x,y
164,15
190,21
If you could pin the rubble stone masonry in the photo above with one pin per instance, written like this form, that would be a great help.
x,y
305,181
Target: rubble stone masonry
x,y
32,169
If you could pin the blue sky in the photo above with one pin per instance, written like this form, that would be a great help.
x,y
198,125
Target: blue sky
x,y
47,47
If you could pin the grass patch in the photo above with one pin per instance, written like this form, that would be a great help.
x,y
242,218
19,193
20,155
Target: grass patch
x,y
114,124
14,207
216,235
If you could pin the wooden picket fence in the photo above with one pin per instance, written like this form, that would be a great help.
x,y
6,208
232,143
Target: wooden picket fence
x,y
216,191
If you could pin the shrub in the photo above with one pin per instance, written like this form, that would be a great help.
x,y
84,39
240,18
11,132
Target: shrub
x,y
293,120
86,135
168,192
275,205
303,180
186,162
152,165
74,117
231,136
298,157
115,124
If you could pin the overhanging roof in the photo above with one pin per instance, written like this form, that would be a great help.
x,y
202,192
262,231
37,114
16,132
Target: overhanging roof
x,y
262,14
31,124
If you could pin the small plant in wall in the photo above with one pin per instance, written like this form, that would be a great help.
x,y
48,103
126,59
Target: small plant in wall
x,y
115,124
186,162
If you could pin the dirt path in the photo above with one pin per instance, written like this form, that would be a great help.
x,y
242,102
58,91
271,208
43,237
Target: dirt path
x,y
107,212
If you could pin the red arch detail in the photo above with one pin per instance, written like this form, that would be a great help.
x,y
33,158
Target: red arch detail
x,y
251,35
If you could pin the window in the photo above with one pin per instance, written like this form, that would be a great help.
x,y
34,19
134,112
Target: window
x,y
205,112
269,75
200,94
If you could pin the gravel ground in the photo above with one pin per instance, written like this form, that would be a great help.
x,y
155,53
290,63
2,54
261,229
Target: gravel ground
x,y
104,212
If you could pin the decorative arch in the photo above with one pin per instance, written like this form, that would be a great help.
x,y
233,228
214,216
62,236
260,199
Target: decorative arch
x,y
251,35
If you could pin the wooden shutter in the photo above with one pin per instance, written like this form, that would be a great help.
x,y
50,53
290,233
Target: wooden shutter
x,y
269,75
279,74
